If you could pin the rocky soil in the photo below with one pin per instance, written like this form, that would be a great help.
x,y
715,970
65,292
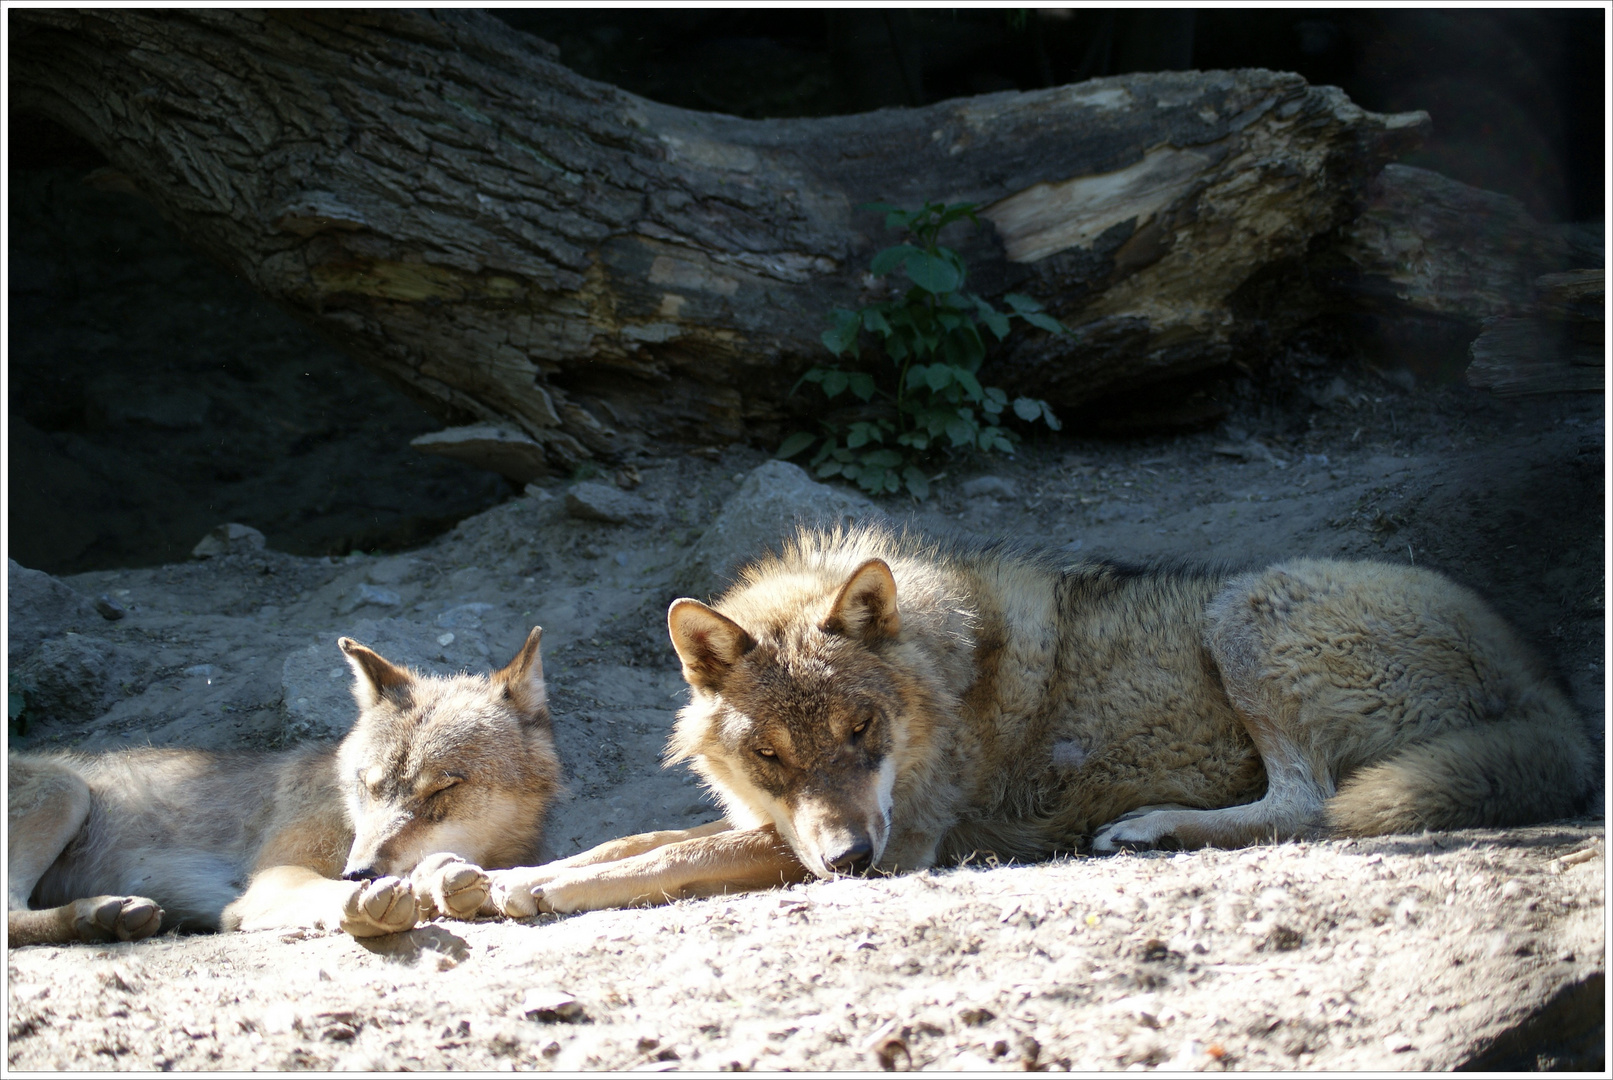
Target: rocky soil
x,y
1422,952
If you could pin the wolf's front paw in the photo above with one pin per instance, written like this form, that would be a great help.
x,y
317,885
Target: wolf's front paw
x,y
445,884
1144,827
516,894
116,918
383,906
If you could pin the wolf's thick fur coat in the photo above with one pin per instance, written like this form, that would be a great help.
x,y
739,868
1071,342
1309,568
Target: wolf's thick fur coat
x,y
371,833
872,697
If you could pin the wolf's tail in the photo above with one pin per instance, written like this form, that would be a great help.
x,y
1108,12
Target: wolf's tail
x,y
1530,768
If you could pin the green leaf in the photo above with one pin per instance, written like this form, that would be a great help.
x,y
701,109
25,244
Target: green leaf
x,y
959,210
1046,322
828,469
893,483
857,436
1003,444
874,321
872,480
843,335
1027,409
834,382
886,458
933,274
862,384
960,431
891,258
1052,421
974,350
939,376
986,439
995,320
918,440
1021,303
795,444
970,384
917,482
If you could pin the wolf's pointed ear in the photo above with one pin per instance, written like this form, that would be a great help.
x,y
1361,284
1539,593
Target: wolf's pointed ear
x,y
521,680
866,606
374,676
708,643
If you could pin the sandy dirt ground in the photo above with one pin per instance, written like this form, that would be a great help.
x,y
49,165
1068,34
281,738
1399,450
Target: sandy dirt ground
x,y
1406,953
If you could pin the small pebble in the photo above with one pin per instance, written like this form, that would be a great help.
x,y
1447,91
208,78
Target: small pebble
x,y
109,608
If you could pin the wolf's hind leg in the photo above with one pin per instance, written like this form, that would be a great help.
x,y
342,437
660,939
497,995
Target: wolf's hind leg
x,y
1297,787
93,919
46,805
1291,809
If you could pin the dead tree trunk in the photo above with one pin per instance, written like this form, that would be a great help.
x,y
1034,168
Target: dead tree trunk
x,y
525,247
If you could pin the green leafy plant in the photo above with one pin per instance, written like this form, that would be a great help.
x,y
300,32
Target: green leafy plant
x,y
927,398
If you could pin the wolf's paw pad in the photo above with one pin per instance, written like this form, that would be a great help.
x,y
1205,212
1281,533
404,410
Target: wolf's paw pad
x,y
515,895
445,884
117,918
383,906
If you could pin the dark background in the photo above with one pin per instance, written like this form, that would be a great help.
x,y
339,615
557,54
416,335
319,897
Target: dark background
x,y
152,396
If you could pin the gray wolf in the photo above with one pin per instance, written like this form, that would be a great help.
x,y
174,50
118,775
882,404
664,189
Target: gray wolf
x,y
875,700
371,834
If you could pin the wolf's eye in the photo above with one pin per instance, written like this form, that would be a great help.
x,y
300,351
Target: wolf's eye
x,y
766,752
860,728
448,782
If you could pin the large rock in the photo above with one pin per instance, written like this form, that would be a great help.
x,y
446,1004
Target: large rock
x,y
38,607
773,501
593,501
74,678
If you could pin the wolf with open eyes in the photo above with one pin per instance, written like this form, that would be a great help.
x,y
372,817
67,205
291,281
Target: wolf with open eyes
x,y
868,699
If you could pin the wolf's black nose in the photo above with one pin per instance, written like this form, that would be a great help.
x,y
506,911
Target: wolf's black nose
x,y
853,859
365,873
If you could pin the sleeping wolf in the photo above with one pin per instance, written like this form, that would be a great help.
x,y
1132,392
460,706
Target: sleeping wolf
x,y
875,700
371,834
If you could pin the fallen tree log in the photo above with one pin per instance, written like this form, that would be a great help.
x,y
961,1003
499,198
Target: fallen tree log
x,y
522,247
1561,348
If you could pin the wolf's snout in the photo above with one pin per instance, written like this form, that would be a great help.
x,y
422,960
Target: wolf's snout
x,y
853,858
363,873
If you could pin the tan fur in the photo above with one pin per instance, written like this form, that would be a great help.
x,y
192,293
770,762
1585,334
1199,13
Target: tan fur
x,y
874,697
372,834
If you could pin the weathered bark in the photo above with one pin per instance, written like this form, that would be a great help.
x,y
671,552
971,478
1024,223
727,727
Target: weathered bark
x,y
1561,348
1434,245
527,248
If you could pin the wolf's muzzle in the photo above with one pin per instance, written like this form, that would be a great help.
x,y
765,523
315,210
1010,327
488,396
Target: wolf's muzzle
x,y
363,873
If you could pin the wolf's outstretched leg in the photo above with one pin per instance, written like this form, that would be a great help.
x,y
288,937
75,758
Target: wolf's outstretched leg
x,y
299,896
730,860
446,885
513,891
